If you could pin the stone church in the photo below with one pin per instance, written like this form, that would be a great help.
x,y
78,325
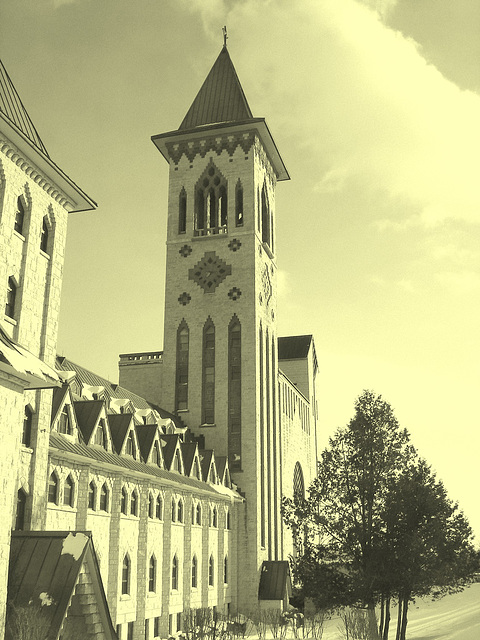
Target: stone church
x,y
126,505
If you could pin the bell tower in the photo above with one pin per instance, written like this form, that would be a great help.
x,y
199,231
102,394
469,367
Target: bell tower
x,y
220,343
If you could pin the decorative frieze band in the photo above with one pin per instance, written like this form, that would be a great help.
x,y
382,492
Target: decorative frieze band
x,y
8,149
217,144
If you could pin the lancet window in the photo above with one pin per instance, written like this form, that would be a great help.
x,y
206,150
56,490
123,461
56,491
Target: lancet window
x,y
181,392
208,395
234,391
182,211
239,205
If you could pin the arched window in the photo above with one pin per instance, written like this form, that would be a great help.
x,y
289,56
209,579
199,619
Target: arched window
x,y
64,425
134,503
298,483
19,216
265,217
208,395
156,455
194,572
159,508
101,434
152,574
225,570
211,572
211,204
199,513
227,519
27,426
44,235
11,298
234,393
239,204
180,510
53,488
130,445
175,573
68,491
151,506
92,496
214,517
177,462
104,497
182,212
123,505
181,390
126,566
20,515
174,510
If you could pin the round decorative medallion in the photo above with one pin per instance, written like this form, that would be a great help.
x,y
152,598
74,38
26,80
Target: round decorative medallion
x,y
209,272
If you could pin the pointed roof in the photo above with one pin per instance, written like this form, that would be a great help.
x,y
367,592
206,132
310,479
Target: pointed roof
x,y
221,97
12,107
88,413
146,436
120,424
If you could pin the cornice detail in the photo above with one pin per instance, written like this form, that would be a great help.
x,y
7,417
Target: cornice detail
x,y
13,154
214,143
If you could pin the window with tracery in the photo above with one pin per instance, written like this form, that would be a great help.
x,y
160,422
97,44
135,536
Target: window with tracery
x,y
211,203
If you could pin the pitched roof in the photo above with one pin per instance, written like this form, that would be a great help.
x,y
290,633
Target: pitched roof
x,y
119,425
146,435
44,570
87,412
294,347
189,450
275,581
221,97
171,441
12,107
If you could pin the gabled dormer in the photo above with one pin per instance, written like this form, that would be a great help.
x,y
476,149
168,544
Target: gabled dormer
x,y
145,416
148,437
124,437
93,392
93,423
64,419
121,405
209,469
191,460
172,453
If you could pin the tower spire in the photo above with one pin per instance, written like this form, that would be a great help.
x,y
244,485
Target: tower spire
x,y
225,37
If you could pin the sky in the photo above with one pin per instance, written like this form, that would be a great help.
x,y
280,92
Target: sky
x,y
374,106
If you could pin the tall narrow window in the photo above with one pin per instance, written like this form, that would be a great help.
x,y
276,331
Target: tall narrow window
x,y
174,510
199,514
64,425
227,519
222,206
134,503
209,373
27,426
19,216
200,211
92,496
180,510
20,516
239,205
44,235
175,573
211,571
104,497
151,506
159,508
225,570
234,393
194,572
156,456
212,210
298,483
126,575
68,492
265,217
11,297
182,212
181,395
130,445
101,435
152,574
53,488
123,505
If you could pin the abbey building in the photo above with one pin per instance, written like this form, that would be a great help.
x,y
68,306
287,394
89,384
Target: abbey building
x,y
162,493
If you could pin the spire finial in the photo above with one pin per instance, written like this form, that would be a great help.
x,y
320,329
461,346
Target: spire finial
x,y
224,30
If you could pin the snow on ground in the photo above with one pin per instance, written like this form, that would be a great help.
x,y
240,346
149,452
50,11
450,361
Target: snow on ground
x,y
455,617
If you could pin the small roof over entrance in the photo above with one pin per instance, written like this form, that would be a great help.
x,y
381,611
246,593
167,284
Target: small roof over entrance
x,y
275,582
54,585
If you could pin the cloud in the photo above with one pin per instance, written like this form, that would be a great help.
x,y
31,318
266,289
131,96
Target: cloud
x,y
361,102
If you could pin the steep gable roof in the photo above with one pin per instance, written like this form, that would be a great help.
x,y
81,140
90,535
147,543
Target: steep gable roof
x,y
172,443
189,449
12,107
146,434
45,568
221,97
88,413
120,424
